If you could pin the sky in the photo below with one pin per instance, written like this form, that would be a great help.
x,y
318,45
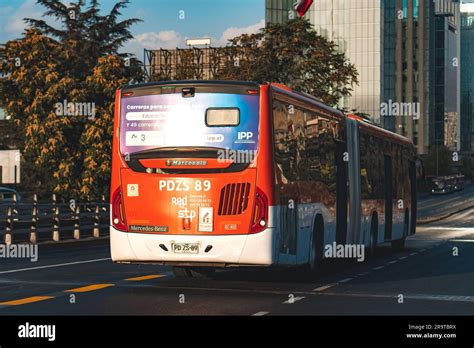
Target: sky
x,y
166,23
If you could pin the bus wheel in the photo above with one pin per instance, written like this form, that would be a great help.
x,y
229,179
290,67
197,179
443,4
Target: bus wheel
x,y
202,272
182,272
399,244
317,242
373,234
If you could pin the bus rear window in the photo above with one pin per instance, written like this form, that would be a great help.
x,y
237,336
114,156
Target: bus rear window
x,y
217,120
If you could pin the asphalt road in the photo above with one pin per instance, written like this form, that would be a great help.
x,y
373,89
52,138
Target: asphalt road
x,y
430,206
80,279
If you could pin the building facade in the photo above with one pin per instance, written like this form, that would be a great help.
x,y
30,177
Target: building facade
x,y
355,26
467,76
201,63
407,54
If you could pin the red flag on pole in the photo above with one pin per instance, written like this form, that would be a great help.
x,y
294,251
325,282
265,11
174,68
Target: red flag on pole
x,y
302,6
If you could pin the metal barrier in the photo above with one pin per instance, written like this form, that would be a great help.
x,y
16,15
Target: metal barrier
x,y
37,222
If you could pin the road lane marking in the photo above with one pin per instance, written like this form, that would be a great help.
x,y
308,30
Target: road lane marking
x,y
403,257
88,288
429,297
377,268
324,287
443,202
462,240
293,300
426,201
53,266
413,254
392,262
25,300
260,314
345,280
146,277
363,274
441,228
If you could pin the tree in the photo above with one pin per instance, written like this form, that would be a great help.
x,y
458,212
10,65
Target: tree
x,y
292,54
79,63
438,161
467,167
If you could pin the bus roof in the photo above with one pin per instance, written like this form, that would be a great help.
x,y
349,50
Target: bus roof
x,y
192,82
379,130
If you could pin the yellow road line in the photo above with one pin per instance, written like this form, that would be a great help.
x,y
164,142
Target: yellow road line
x,y
26,300
147,277
90,288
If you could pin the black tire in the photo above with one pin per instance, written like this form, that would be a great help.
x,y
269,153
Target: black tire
x,y
373,234
399,244
202,272
317,244
182,272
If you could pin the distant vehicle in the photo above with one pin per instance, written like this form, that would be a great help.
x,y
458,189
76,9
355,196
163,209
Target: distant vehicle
x,y
6,195
459,182
447,184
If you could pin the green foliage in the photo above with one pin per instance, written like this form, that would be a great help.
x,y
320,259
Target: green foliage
x,y
439,156
69,155
467,167
292,54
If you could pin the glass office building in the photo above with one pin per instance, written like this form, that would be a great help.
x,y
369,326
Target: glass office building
x,y
279,11
355,26
404,51
467,76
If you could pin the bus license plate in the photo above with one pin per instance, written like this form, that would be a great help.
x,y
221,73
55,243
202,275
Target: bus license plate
x,y
186,248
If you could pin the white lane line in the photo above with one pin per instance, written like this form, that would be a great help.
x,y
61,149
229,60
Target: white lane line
x,y
345,280
377,268
440,228
413,254
430,297
403,257
53,266
293,300
324,287
260,314
392,262
453,298
462,240
426,201
363,274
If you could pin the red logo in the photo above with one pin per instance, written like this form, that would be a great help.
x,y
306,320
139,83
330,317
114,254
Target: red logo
x,y
302,6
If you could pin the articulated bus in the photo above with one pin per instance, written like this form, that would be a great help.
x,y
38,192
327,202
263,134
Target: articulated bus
x,y
210,174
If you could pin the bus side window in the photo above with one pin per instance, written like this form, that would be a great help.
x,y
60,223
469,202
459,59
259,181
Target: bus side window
x,y
285,140
321,150
366,189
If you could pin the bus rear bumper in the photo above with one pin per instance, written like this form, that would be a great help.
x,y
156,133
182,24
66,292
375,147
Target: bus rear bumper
x,y
253,249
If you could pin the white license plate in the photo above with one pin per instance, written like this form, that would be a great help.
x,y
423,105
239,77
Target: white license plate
x,y
186,248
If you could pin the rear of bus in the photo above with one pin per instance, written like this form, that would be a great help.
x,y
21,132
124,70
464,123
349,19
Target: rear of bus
x,y
191,175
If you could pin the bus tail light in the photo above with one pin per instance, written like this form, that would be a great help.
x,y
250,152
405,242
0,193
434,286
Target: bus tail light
x,y
118,211
260,212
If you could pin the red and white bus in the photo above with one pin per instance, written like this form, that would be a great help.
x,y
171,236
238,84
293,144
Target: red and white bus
x,y
209,174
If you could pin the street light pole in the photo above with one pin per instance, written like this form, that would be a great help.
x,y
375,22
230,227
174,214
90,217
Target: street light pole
x,y
437,159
